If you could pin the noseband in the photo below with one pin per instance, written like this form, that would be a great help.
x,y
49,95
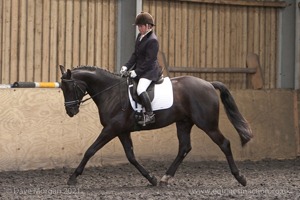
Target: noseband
x,y
77,88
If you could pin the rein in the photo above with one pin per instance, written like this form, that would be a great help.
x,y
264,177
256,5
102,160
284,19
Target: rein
x,y
78,102
82,101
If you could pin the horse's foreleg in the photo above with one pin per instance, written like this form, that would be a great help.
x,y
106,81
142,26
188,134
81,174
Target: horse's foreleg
x,y
126,141
102,139
184,138
224,145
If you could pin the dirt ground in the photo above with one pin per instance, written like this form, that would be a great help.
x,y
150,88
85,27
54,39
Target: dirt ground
x,y
268,179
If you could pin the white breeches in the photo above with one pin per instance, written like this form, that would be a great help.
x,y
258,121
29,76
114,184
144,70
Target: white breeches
x,y
143,85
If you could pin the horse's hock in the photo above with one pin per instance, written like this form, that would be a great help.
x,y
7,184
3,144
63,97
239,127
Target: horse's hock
x,y
37,133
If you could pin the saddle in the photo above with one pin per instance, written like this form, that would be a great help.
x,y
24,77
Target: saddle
x,y
132,84
160,94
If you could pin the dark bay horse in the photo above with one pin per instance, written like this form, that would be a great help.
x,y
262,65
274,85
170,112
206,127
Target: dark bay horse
x,y
195,103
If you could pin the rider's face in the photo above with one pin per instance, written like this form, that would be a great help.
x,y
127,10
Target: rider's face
x,y
143,28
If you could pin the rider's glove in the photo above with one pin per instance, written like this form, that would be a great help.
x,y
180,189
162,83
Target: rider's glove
x,y
132,74
123,70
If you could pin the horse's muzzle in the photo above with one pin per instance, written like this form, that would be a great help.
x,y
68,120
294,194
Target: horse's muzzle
x,y
72,111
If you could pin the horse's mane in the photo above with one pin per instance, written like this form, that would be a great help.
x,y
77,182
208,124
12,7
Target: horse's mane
x,y
95,68
83,67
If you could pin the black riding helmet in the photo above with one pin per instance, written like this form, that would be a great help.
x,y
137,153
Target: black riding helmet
x,y
144,18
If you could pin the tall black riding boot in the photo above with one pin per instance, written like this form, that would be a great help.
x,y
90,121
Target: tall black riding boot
x,y
149,115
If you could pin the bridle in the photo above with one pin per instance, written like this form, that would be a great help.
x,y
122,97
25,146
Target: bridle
x,y
77,88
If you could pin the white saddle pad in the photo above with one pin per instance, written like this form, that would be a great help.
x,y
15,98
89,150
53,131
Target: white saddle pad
x,y
163,96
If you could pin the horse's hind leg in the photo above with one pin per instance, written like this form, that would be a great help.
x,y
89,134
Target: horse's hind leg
x,y
184,138
224,145
128,148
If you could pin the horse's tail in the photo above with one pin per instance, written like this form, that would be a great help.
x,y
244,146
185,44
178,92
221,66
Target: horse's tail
x,y
233,113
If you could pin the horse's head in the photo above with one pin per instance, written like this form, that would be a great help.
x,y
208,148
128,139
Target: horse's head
x,y
73,90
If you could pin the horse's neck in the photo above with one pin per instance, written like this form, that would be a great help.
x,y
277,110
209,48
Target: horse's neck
x,y
99,81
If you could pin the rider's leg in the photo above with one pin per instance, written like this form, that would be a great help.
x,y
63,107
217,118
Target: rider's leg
x,y
141,91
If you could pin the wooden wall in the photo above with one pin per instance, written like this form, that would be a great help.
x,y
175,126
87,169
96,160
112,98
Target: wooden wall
x,y
38,35
195,33
46,137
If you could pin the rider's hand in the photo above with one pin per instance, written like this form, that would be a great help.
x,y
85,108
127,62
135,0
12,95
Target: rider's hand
x,y
132,74
123,70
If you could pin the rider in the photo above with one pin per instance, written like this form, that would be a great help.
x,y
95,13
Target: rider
x,y
143,63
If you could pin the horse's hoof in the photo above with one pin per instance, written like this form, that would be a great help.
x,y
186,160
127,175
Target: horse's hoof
x,y
242,180
153,180
72,181
163,183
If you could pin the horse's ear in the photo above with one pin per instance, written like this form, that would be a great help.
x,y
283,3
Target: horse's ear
x,y
62,69
68,74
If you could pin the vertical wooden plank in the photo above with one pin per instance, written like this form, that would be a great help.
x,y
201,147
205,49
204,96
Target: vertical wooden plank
x,y
53,40
239,34
22,42
184,37
91,33
244,48
203,40
38,41
1,41
46,41
268,42
145,5
227,44
215,39
209,39
233,36
221,37
238,78
164,41
197,35
61,37
251,28
105,36
6,41
172,29
83,32
190,35
262,44
76,33
158,19
152,7
111,42
178,52
98,33
14,42
273,49
255,37
69,33
1,36
30,40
